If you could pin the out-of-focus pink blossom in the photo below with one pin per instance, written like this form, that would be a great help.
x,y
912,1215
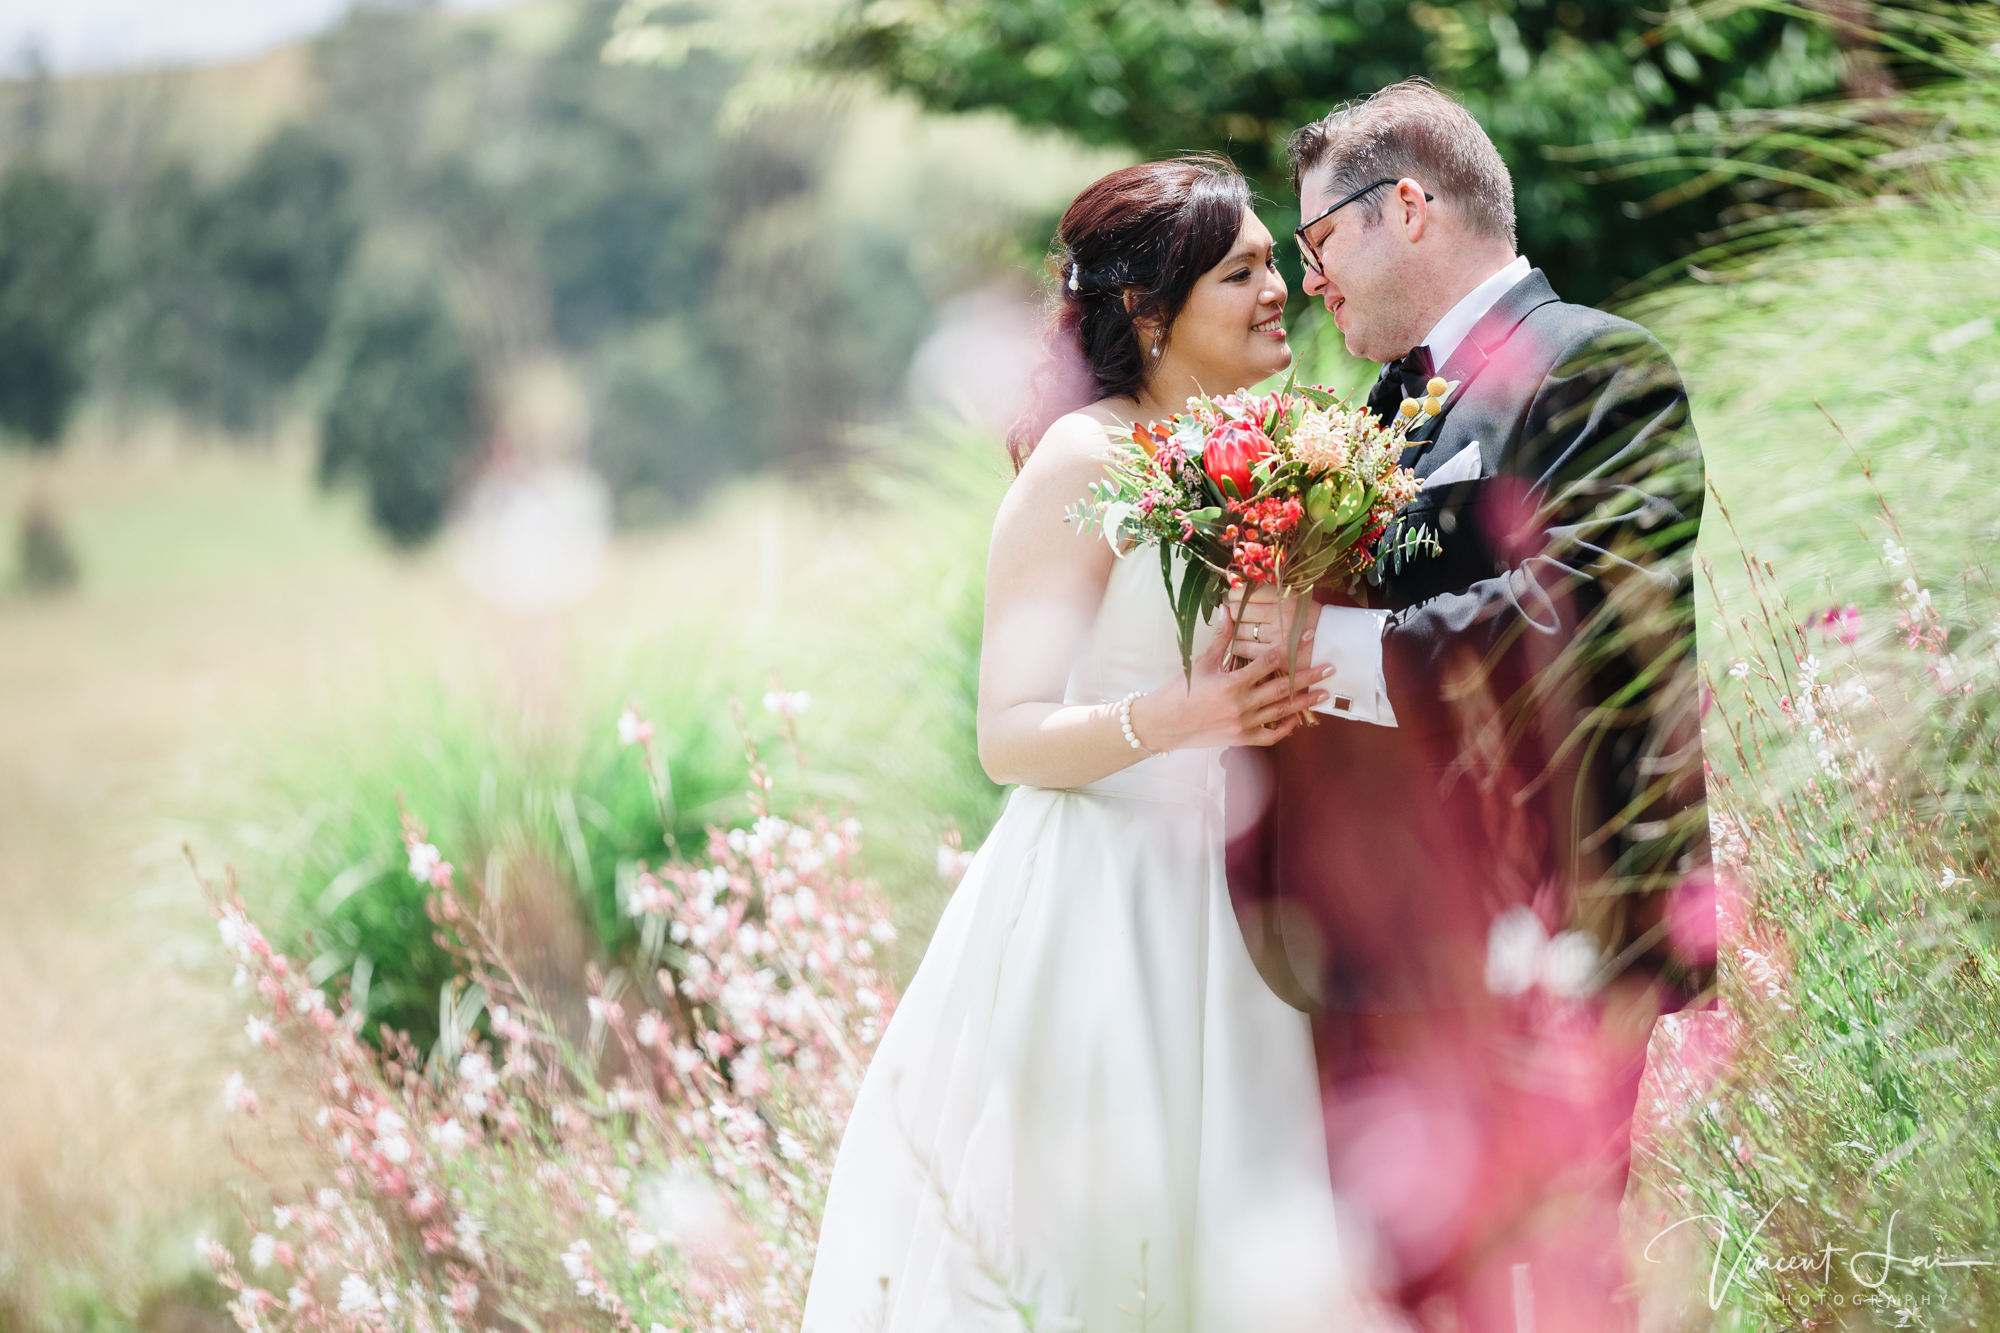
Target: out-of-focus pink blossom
x,y
237,1096
632,728
1840,624
744,1057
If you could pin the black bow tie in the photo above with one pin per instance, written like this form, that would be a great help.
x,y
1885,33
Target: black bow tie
x,y
1407,378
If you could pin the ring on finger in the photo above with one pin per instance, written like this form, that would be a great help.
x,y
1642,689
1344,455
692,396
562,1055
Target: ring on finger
x,y
1256,634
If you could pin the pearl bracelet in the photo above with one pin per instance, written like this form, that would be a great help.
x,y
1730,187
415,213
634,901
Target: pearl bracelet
x,y
1125,723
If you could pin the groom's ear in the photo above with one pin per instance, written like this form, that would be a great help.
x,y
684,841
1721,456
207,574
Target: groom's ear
x,y
1413,206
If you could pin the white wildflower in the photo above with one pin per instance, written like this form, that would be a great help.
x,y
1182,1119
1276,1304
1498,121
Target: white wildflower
x,y
237,1096
641,1243
952,861
448,1137
424,861
263,1249
475,1072
467,1230
632,728
234,929
607,1206
357,1296
576,1262
647,1030
788,703
259,1032
1740,671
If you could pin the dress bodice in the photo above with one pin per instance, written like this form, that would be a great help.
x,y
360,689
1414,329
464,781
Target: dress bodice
x,y
1134,646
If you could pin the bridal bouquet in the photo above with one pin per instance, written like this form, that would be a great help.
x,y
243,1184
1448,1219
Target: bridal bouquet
x,y
1289,489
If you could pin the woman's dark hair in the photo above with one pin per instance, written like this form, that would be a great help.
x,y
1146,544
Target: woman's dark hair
x,y
1130,248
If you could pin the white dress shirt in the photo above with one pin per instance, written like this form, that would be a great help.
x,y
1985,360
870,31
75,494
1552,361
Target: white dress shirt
x,y
1350,637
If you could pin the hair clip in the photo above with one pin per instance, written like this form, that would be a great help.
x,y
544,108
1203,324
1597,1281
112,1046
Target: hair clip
x,y
1073,266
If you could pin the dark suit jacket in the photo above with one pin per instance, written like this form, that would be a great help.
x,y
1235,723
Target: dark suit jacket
x,y
1542,671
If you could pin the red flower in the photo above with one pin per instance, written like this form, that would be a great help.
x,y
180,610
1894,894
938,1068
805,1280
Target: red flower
x,y
1232,450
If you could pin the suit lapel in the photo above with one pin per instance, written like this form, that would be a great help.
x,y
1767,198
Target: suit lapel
x,y
1475,351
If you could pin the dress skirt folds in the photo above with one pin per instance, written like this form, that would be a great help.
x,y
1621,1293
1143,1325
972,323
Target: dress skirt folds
x,y
1088,1100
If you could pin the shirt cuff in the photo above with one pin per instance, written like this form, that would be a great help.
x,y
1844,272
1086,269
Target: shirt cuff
x,y
1349,640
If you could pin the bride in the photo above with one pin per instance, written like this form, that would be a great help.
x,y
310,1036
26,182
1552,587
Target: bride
x,y
1088,1111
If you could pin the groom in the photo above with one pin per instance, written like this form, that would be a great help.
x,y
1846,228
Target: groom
x,y
1485,874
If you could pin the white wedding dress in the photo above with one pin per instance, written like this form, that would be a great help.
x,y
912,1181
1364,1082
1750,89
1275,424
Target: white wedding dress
x,y
1087,1090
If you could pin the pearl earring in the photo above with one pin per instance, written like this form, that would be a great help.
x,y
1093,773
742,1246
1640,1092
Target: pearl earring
x,y
1156,344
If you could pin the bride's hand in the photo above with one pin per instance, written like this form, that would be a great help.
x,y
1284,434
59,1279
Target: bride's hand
x,y
1267,617
1257,703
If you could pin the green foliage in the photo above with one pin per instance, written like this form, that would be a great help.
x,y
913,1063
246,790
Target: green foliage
x,y
48,286
1858,815
1171,76
663,422
400,414
724,314
1845,1097
224,295
515,805
883,627
282,235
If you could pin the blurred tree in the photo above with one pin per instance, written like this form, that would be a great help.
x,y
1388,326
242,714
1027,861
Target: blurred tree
x,y
280,239
48,288
400,415
662,419
1168,76
225,295
685,254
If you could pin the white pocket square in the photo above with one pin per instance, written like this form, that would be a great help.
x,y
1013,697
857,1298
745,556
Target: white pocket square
x,y
1461,466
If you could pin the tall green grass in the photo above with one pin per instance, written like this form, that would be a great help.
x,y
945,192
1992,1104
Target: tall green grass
x,y
1825,1152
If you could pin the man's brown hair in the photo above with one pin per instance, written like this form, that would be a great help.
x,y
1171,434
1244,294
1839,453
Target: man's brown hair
x,y
1410,129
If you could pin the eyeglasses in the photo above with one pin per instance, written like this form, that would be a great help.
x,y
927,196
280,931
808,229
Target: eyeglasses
x,y
1309,250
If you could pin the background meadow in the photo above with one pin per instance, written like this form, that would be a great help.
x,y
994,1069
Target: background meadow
x,y
442,385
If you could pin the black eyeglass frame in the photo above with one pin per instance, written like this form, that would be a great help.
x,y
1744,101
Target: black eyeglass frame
x,y
1309,252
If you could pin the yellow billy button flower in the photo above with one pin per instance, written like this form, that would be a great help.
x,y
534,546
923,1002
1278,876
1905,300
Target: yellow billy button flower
x,y
1437,388
1409,407
1433,406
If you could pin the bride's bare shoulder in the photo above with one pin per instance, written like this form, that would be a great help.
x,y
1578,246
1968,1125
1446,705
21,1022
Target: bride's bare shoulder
x,y
1075,442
